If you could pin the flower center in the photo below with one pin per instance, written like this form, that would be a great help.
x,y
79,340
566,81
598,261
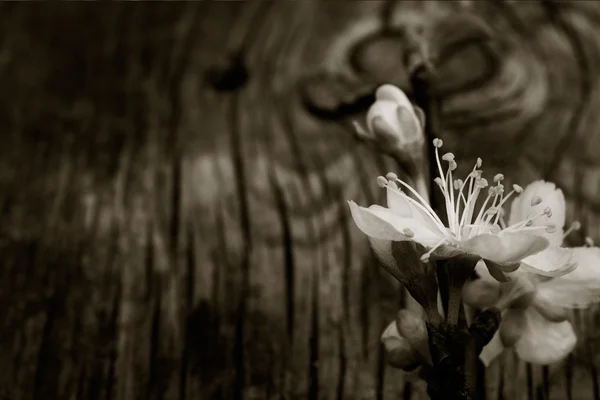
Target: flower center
x,y
460,198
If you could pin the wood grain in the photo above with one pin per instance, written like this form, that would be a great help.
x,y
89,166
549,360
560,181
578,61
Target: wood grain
x,y
174,178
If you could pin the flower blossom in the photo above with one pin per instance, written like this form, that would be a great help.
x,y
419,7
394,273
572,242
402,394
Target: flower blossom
x,y
534,307
471,231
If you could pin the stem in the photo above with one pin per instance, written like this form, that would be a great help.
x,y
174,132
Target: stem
x,y
453,348
454,304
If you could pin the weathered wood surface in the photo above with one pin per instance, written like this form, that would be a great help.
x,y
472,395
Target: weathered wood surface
x,y
174,177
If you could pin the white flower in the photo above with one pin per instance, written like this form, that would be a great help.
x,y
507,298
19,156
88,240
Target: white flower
x,y
471,231
533,306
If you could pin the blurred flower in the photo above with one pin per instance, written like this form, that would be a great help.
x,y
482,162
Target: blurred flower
x,y
470,234
534,304
406,341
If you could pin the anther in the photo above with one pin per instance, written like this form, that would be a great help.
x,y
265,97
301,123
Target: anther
x,y
425,257
408,232
589,242
453,165
535,201
381,181
517,188
448,157
458,184
479,162
575,226
438,180
438,142
550,228
548,211
529,223
391,176
482,183
392,185
498,178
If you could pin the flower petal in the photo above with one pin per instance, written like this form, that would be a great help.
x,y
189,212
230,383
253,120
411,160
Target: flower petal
x,y
400,353
545,342
554,261
512,326
394,94
578,288
382,249
382,118
372,223
491,350
505,247
444,252
484,273
551,197
382,223
400,203
480,293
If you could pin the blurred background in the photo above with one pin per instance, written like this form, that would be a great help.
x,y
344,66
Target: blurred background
x,y
174,181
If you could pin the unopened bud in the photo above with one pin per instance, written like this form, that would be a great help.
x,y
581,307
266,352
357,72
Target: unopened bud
x,y
393,123
399,352
412,327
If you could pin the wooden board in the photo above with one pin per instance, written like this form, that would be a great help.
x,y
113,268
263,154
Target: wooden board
x,y
174,178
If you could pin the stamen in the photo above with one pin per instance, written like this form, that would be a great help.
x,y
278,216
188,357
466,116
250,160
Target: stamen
x,y
535,201
381,181
479,162
518,189
458,183
391,176
438,142
448,157
498,177
425,257
422,204
575,226
408,232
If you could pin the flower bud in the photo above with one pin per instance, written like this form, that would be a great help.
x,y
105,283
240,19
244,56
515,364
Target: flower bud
x,y
412,327
400,353
512,327
392,120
